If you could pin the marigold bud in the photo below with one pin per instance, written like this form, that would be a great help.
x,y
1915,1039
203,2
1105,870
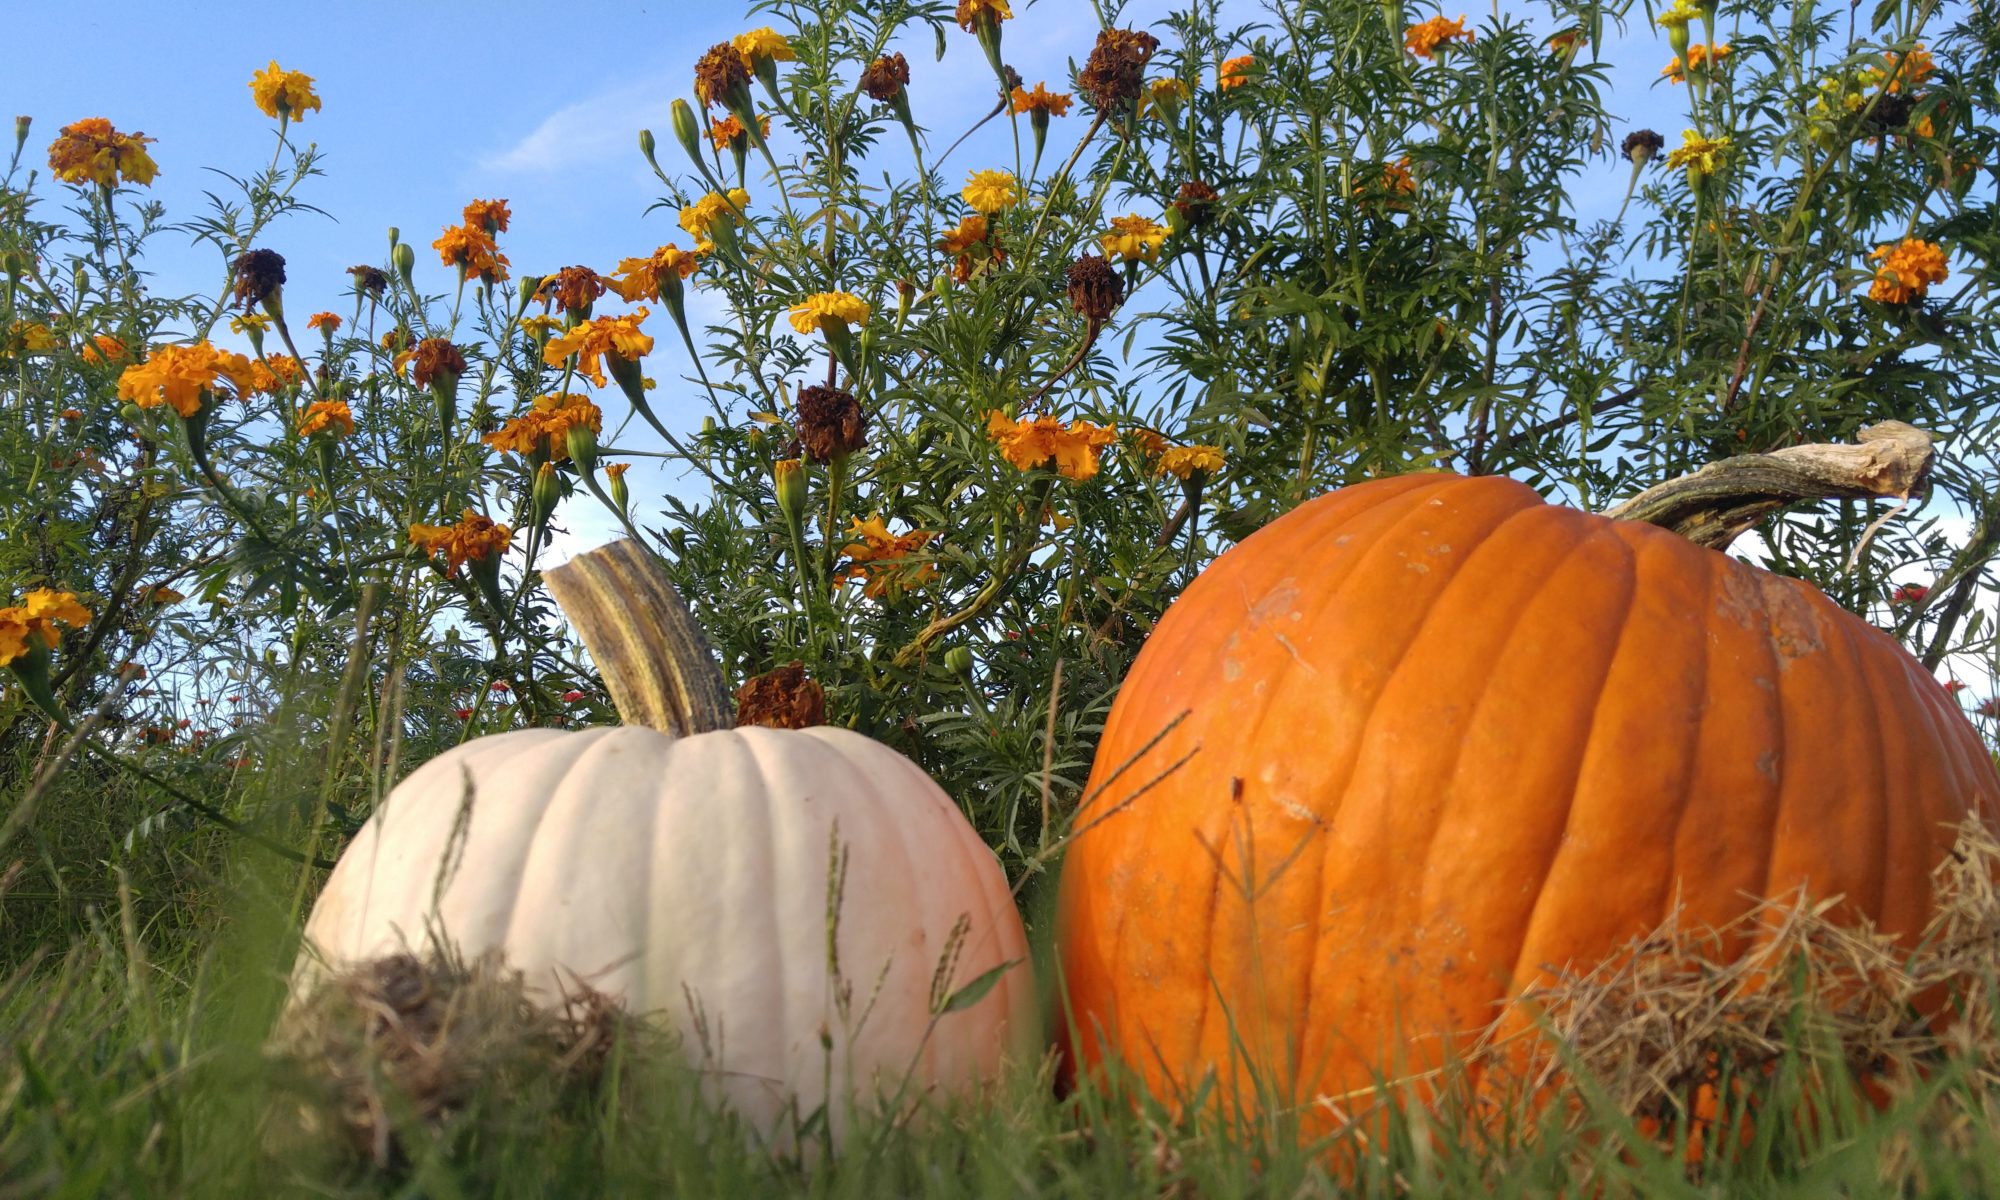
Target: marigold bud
x,y
547,491
404,258
582,446
788,478
21,126
958,660
646,145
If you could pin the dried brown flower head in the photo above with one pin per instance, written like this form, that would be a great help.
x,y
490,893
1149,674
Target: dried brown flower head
x,y
370,280
259,274
831,423
781,699
1094,288
885,77
1196,203
1113,76
572,288
434,357
719,72
1641,145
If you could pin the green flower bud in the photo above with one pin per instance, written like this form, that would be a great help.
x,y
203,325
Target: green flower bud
x,y
788,477
547,492
646,147
133,414
583,447
687,131
395,237
527,287
958,660
405,260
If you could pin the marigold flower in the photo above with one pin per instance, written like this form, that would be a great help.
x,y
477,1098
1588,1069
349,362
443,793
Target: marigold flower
x,y
1195,203
30,337
874,544
991,191
259,275
91,151
1033,443
543,430
369,280
831,424
975,244
282,372
1908,269
1700,155
1041,100
72,414
1113,74
1641,145
1425,39
178,375
1162,95
474,539
472,249
640,278
720,70
808,314
1235,72
37,616
1184,461
436,358
886,77
616,471
103,348
727,129
1563,42
766,43
1699,57
1396,180
1907,70
970,11
331,417
1678,15
700,217
590,341
1133,237
572,288
490,215
1095,290
284,94
540,325
324,320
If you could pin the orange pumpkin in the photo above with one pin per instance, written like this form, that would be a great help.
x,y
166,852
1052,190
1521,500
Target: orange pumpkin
x,y
1440,737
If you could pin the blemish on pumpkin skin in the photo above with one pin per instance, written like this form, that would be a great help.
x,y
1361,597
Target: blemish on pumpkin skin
x,y
1767,765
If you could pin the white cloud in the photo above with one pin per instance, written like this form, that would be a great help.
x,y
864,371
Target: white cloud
x,y
586,133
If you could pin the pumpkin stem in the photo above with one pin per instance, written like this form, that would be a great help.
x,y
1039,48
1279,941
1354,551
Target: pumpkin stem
x,y
654,659
1715,504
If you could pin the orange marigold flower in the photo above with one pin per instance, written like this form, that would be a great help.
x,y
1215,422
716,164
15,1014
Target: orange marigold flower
x,y
976,245
324,320
1235,72
616,471
1908,70
1699,57
970,10
160,593
72,414
640,278
572,288
282,93
490,215
1042,100
720,70
178,375
282,372
1562,42
474,539
1133,237
886,78
543,430
991,191
471,249
1424,40
1030,444
37,616
874,544
808,315
595,338
91,151
1184,461
1152,443
1908,269
331,417
104,348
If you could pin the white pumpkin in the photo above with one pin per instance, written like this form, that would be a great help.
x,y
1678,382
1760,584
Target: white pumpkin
x,y
671,873
689,876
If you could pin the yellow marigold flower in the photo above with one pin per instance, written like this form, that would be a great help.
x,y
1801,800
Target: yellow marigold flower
x,y
1183,461
104,348
474,539
992,191
1678,16
1699,57
283,372
1424,40
1563,42
473,249
282,93
250,323
1133,237
1033,443
970,10
178,375
160,593
1152,443
766,43
324,320
37,616
331,417
1908,269
808,314
1162,94
490,215
1056,104
597,337
1700,155
32,337
972,234
640,278
91,151
1235,72
699,217
875,544
540,325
